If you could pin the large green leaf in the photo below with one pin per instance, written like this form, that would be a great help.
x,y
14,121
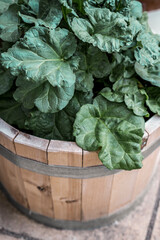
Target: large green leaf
x,y
72,7
136,102
4,5
78,100
153,101
54,99
125,85
109,31
136,9
122,66
9,22
40,123
148,50
63,120
59,125
4,46
84,78
144,22
112,96
98,63
34,4
93,63
113,130
150,74
117,73
42,55
11,112
122,7
126,90
67,4
49,13
6,81
134,98
43,95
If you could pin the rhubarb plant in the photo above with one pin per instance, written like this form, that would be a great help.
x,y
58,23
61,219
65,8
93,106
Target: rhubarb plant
x,y
80,70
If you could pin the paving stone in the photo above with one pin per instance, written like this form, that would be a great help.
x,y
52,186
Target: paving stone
x,y
156,230
4,237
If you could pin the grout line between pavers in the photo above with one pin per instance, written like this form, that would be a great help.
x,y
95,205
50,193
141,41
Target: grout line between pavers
x,y
153,217
24,236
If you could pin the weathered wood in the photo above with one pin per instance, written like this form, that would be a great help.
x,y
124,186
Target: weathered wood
x,y
152,128
91,159
145,173
31,147
64,153
66,195
122,189
2,172
7,135
156,229
38,191
12,180
95,197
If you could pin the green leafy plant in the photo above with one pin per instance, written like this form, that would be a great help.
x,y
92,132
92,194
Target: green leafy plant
x,y
80,70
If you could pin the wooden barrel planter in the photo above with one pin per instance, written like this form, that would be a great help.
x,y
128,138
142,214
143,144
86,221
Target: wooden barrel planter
x,y
59,184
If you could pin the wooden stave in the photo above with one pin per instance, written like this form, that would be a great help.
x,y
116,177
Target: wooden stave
x,y
80,216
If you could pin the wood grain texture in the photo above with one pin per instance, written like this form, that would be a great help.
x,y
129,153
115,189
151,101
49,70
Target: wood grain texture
x,y
38,191
91,159
152,128
12,180
31,147
68,198
7,135
95,197
122,189
66,194
156,229
145,173
64,153
3,171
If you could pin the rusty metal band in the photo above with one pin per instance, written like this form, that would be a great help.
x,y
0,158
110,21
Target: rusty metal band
x,y
65,171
